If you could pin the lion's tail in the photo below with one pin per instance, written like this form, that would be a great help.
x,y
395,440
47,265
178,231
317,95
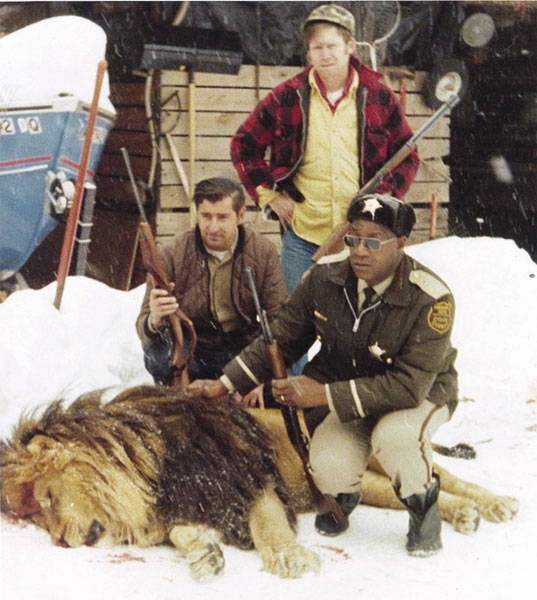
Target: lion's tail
x,y
458,451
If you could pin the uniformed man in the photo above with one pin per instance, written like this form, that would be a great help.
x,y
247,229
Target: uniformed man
x,y
383,380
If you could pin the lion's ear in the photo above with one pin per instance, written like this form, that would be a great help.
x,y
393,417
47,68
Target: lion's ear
x,y
40,444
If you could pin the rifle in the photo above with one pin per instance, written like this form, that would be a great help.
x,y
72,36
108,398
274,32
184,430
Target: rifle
x,y
324,503
154,265
334,242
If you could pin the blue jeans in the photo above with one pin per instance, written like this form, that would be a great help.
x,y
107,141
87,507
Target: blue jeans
x,y
296,259
207,362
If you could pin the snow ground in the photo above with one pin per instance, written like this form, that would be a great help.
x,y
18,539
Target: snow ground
x,y
91,343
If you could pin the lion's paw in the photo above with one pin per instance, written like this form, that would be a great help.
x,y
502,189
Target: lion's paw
x,y
466,519
206,563
289,561
499,509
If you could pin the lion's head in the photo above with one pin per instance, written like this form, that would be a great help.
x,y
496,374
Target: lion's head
x,y
83,488
60,494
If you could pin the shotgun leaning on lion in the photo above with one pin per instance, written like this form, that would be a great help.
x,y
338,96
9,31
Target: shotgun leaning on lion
x,y
152,466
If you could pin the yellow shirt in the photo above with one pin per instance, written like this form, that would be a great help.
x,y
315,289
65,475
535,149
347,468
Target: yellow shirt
x,y
329,173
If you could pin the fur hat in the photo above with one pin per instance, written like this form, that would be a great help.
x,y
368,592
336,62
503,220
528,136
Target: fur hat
x,y
397,216
332,13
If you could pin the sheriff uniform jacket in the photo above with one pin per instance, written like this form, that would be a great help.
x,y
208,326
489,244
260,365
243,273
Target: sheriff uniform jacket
x,y
392,356
185,262
280,122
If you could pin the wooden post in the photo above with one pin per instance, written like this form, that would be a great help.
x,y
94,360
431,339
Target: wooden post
x,y
433,216
74,213
192,138
402,88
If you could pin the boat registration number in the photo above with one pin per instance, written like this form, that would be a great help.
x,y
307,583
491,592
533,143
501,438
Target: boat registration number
x,y
30,125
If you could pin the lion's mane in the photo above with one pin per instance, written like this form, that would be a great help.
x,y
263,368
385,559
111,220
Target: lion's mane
x,y
150,459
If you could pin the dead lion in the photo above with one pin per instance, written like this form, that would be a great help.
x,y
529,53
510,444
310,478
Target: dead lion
x,y
151,467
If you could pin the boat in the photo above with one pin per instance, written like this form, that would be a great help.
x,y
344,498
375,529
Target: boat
x,y
48,78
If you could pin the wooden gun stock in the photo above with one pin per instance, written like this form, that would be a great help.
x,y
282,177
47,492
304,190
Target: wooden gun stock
x,y
334,242
154,265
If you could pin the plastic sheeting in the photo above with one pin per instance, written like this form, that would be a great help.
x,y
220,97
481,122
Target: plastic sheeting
x,y
271,31
428,33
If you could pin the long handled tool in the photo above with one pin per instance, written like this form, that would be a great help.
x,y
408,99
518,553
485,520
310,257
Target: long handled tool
x,y
154,265
324,503
74,213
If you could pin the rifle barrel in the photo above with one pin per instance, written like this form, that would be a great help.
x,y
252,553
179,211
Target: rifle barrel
x,y
127,160
261,313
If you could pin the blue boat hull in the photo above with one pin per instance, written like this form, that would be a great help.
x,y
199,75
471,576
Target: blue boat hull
x,y
40,151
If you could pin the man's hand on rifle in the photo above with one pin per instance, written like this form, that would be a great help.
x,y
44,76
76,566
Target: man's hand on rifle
x,y
208,389
161,305
299,392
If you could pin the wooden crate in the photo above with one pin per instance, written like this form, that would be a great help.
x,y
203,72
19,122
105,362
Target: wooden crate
x,y
220,103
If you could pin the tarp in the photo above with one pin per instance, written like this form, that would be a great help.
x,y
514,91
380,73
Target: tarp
x,y
271,31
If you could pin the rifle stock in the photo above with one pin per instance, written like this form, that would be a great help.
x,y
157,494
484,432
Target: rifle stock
x,y
334,242
153,264
324,503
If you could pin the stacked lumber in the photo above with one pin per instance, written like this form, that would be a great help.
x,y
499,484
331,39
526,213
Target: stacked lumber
x,y
200,112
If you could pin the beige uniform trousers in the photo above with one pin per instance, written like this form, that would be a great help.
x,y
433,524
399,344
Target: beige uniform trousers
x,y
401,441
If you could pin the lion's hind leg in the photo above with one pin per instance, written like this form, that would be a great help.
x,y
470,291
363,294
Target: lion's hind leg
x,y
497,509
275,540
201,548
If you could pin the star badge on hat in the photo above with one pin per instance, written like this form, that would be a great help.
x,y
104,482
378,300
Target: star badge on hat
x,y
371,205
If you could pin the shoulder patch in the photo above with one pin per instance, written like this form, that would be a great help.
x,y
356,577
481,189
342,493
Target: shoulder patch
x,y
440,317
332,258
429,284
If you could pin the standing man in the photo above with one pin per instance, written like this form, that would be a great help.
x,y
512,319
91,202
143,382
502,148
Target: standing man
x,y
329,130
383,380
207,266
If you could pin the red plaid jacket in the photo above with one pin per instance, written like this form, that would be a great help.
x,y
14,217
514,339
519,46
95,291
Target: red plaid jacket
x,y
279,122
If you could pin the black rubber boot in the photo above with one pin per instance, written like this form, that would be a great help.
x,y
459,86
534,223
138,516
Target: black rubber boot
x,y
425,523
325,524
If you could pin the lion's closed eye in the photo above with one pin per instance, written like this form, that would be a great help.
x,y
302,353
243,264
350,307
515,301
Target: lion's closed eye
x,y
43,497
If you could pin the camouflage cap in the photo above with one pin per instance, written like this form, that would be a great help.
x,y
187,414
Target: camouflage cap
x,y
332,13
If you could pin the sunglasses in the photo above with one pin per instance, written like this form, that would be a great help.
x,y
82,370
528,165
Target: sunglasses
x,y
353,241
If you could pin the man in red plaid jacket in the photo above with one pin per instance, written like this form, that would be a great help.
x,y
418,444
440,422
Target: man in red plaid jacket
x,y
329,130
